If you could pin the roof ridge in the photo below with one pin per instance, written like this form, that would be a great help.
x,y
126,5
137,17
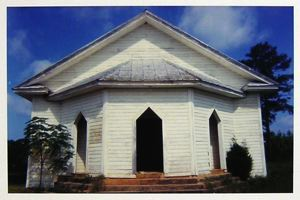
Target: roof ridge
x,y
158,20
182,69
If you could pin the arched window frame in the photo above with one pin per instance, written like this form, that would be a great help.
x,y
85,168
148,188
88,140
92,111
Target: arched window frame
x,y
75,135
222,152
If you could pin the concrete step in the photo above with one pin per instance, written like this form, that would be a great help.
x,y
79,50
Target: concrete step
x,y
212,177
149,175
217,171
147,183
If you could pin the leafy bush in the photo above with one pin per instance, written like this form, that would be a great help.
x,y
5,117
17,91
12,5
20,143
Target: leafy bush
x,y
239,161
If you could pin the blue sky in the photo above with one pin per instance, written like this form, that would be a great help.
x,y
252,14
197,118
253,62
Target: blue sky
x,y
39,37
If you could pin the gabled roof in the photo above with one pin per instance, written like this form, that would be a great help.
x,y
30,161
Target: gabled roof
x,y
161,24
147,70
147,17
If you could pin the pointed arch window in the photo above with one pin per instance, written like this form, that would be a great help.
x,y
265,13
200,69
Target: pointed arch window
x,y
149,142
81,147
214,122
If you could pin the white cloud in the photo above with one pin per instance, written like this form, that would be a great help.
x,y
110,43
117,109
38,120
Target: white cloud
x,y
221,27
35,67
39,65
19,104
17,47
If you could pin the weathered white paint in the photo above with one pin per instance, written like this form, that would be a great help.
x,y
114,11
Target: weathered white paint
x,y
104,120
170,30
248,129
260,131
192,121
122,110
144,42
91,107
43,108
205,103
111,116
66,113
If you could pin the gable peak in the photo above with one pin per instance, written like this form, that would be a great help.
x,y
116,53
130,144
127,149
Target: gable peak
x,y
146,17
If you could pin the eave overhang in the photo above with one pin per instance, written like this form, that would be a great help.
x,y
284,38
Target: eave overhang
x,y
29,91
98,85
260,87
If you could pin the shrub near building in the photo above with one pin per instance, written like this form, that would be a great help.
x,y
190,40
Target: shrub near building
x,y
239,161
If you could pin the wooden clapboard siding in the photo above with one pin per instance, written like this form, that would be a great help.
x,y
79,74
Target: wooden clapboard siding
x,y
43,108
204,104
144,42
121,111
238,117
90,105
248,128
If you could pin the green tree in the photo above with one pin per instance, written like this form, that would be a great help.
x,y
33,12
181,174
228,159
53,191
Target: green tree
x,y
49,144
265,59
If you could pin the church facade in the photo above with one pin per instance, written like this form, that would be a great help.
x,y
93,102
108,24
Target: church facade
x,y
149,97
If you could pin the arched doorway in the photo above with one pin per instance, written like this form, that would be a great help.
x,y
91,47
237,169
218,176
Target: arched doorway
x,y
149,142
214,139
81,127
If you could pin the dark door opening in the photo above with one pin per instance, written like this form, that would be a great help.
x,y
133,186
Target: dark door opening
x,y
214,140
81,126
149,142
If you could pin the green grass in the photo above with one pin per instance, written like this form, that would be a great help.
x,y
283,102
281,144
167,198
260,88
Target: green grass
x,y
16,188
278,180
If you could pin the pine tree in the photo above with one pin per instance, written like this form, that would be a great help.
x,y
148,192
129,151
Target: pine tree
x,y
265,59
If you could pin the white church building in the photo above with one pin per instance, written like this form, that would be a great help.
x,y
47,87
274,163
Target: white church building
x,y
147,96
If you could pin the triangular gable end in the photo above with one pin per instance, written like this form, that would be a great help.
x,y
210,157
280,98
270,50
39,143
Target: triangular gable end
x,y
147,17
